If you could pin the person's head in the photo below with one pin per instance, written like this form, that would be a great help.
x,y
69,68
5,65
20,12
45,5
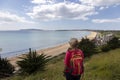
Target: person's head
x,y
73,42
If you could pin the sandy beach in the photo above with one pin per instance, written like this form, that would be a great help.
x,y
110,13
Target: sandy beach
x,y
53,51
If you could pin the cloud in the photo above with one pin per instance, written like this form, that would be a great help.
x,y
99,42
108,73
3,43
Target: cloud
x,y
45,10
61,10
7,17
116,20
42,1
100,2
101,8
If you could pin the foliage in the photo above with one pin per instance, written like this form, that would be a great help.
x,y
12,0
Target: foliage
x,y
87,46
105,48
114,43
33,62
116,33
6,69
119,42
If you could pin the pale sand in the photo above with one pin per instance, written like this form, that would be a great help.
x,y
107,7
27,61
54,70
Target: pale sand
x,y
53,51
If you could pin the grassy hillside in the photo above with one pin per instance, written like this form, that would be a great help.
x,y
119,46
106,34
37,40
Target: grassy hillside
x,y
102,66
116,33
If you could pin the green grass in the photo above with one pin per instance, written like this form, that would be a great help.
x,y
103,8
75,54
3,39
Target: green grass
x,y
102,66
116,33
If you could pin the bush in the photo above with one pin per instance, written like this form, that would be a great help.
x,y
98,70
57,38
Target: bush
x,y
33,62
6,69
87,46
118,42
105,48
114,43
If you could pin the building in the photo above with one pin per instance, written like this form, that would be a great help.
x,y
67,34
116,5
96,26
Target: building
x,y
102,39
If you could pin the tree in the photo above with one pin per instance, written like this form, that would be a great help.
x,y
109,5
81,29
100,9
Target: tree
x,y
114,43
33,62
105,48
87,46
6,69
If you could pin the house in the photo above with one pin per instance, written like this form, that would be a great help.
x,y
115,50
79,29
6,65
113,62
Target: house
x,y
102,39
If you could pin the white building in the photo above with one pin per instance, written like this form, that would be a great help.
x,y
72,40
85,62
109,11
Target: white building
x,y
102,39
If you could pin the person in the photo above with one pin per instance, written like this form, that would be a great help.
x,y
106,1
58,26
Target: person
x,y
73,61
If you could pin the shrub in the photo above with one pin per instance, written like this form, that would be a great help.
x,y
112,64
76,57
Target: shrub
x,y
33,62
6,69
105,48
114,43
119,42
87,46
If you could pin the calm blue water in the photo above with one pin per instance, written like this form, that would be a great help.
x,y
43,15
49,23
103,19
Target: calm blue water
x,y
17,42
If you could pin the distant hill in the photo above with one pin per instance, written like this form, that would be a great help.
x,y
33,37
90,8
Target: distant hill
x,y
31,30
64,30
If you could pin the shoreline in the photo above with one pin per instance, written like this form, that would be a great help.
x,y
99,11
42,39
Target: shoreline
x,y
52,51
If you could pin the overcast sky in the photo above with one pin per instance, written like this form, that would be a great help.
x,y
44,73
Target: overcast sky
x,y
59,14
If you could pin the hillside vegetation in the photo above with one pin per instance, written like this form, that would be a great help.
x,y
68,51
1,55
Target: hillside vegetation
x,y
102,66
116,33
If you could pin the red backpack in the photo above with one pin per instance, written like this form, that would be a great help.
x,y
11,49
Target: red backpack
x,y
76,62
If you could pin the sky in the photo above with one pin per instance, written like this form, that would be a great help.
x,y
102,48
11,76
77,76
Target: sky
x,y
59,14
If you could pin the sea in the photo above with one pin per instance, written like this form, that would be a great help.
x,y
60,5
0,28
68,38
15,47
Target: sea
x,y
13,43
